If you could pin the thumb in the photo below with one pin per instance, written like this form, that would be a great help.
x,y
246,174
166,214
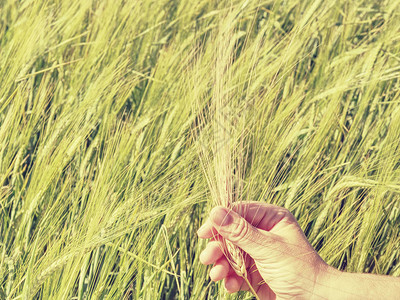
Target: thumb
x,y
236,229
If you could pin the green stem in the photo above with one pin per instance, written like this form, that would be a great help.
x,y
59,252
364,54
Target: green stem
x,y
251,288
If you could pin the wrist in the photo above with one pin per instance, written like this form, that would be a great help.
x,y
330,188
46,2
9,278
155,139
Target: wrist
x,y
339,285
325,283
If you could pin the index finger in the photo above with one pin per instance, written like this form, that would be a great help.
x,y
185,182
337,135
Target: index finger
x,y
207,230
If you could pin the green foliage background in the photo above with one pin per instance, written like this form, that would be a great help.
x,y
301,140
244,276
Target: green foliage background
x,y
102,190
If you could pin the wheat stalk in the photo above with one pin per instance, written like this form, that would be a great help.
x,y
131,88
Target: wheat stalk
x,y
221,139
225,168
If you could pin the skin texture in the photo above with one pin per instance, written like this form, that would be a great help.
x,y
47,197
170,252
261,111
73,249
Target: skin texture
x,y
281,264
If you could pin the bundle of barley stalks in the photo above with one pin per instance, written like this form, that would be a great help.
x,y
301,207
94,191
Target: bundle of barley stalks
x,y
226,160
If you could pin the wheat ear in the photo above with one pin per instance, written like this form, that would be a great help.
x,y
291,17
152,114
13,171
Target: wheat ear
x,y
224,165
236,259
226,159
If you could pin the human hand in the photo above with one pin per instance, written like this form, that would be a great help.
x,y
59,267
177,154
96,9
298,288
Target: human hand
x,y
281,264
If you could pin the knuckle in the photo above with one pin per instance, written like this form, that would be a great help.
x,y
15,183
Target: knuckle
x,y
241,230
285,211
286,214
290,217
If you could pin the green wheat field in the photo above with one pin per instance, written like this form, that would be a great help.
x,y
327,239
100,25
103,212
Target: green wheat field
x,y
106,109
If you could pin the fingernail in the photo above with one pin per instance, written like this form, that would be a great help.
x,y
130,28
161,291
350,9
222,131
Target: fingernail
x,y
202,257
201,229
221,216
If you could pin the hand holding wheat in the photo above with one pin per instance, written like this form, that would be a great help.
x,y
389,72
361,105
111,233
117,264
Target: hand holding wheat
x,y
280,263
